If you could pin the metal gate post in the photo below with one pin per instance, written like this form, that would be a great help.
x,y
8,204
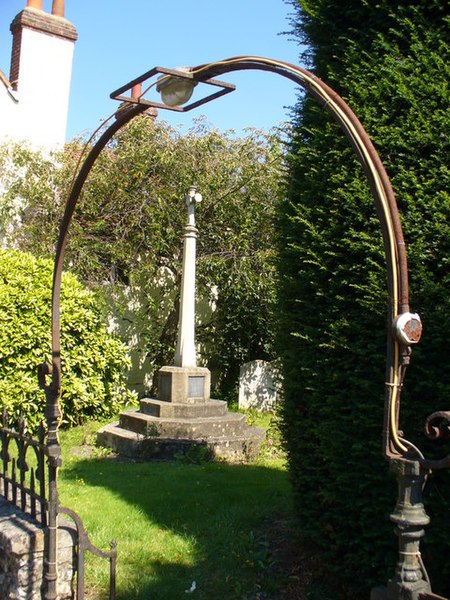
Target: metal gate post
x,y
410,518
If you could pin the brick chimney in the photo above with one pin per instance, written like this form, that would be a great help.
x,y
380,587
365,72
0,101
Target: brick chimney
x,y
33,18
41,68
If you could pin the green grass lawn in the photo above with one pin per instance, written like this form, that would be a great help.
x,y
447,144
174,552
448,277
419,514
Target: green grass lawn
x,y
177,523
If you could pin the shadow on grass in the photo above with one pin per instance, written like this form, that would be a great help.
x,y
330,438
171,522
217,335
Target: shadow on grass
x,y
183,531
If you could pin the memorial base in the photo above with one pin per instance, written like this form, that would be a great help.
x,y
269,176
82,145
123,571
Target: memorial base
x,y
188,385
181,419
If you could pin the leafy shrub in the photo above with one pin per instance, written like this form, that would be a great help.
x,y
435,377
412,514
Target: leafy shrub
x,y
93,361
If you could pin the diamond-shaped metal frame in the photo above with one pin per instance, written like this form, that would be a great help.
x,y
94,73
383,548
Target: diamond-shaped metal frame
x,y
225,88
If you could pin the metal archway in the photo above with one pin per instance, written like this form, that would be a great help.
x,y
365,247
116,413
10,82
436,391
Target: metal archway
x,y
409,327
404,328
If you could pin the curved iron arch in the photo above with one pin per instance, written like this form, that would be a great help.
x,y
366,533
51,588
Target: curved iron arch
x,y
404,329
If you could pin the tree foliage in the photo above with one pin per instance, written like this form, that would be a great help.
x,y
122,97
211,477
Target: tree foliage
x,y
94,362
31,185
390,63
128,227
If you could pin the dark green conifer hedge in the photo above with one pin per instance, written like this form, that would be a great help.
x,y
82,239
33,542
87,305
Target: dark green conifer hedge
x,y
390,63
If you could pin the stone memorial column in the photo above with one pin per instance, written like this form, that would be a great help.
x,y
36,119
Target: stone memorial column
x,y
185,354
185,382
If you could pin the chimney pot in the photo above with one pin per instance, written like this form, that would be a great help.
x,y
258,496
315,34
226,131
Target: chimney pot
x,y
136,91
34,4
58,8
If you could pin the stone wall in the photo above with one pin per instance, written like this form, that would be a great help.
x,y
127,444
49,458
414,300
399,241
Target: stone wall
x,y
22,556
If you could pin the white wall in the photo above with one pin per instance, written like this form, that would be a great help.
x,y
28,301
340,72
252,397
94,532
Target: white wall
x,y
43,92
36,111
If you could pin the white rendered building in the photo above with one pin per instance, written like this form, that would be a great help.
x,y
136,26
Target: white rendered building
x,y
34,100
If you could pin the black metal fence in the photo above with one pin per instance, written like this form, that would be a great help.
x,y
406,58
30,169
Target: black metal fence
x,y
24,482
22,468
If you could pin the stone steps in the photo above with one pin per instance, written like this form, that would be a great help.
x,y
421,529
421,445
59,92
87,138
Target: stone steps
x,y
229,424
136,445
183,418
173,410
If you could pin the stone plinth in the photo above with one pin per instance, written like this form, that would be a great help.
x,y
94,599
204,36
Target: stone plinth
x,y
187,385
182,417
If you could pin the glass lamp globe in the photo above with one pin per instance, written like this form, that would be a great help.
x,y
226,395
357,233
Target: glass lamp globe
x,y
175,91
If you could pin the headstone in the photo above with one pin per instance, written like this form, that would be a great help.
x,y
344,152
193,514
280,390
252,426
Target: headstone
x,y
259,385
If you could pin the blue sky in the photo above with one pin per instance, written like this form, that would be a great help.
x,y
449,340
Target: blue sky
x,y
119,40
